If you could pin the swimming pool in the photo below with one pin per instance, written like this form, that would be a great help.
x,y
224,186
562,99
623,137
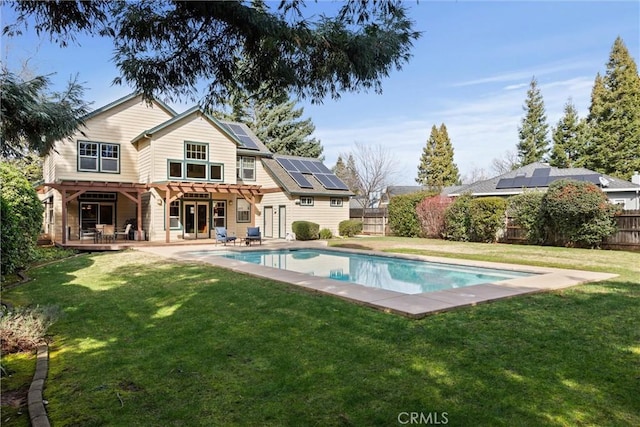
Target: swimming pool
x,y
395,274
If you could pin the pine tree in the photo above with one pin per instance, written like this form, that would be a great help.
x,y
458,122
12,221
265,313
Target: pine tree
x,y
569,139
278,126
614,116
437,169
348,173
534,143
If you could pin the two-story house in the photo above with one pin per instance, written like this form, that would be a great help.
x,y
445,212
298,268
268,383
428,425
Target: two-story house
x,y
177,176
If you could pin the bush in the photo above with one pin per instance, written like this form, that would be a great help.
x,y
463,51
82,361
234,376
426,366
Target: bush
x,y
305,230
21,223
23,329
350,227
403,219
486,218
456,219
577,213
524,209
326,234
431,213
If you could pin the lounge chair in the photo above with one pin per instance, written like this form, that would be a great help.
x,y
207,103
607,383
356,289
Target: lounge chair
x,y
223,236
124,233
253,234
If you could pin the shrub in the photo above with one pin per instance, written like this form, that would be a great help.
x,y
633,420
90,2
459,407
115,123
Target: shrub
x,y
350,227
524,209
431,213
326,234
21,223
305,230
456,219
23,329
577,213
403,219
486,218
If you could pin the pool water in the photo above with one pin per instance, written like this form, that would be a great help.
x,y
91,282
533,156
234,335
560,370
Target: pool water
x,y
395,274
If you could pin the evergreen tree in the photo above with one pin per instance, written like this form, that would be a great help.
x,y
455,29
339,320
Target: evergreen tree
x,y
533,145
437,168
279,127
614,116
569,139
348,173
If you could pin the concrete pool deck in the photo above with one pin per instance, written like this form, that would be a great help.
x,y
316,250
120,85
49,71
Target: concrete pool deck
x,y
411,305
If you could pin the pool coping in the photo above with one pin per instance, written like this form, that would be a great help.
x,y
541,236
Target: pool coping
x,y
411,305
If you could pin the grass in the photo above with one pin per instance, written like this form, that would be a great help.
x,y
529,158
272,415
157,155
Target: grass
x,y
146,341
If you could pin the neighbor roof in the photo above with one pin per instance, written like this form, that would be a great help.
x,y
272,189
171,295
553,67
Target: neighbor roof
x,y
291,186
539,175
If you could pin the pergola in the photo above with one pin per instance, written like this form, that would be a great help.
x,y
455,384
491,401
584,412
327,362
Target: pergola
x,y
71,190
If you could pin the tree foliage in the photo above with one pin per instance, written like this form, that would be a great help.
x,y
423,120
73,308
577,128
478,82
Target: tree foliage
x,y
437,168
533,142
457,223
569,139
486,218
614,117
403,219
21,219
348,173
524,209
33,118
431,215
577,213
165,47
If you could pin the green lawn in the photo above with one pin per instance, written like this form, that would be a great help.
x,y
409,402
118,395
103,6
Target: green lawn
x,y
146,341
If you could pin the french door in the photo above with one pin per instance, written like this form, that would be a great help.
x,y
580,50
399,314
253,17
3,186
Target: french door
x,y
95,213
196,220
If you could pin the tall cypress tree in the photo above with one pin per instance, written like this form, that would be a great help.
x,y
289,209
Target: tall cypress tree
x,y
569,139
347,173
534,142
437,168
614,116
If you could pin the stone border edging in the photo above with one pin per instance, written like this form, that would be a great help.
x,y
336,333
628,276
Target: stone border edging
x,y
37,411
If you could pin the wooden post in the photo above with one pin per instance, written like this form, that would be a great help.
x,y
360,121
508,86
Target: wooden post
x,y
139,215
167,219
63,192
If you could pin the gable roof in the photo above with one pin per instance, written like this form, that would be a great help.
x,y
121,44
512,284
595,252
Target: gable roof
x,y
285,180
533,176
223,126
121,101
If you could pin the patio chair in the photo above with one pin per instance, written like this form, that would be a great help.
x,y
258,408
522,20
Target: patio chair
x,y
109,232
223,236
253,234
124,233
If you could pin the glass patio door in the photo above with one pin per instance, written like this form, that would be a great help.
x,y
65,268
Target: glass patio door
x,y
196,220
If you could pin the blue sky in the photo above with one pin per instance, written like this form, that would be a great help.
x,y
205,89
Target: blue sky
x,y
470,70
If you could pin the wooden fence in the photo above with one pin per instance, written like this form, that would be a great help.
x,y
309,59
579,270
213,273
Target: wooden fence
x,y
627,237
375,222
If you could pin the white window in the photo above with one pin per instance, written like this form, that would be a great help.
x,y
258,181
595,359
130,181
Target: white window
x,y
243,211
306,201
246,168
88,156
174,214
195,151
98,157
336,202
109,158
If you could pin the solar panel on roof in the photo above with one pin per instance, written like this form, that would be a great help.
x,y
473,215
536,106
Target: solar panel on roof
x,y
337,182
300,165
313,167
242,136
504,183
323,168
541,172
301,180
520,181
538,181
325,181
287,165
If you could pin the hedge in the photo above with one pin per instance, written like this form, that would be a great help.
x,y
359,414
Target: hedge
x,y
403,219
305,230
350,227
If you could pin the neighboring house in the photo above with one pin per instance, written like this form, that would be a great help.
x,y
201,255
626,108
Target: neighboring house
x,y
177,176
538,176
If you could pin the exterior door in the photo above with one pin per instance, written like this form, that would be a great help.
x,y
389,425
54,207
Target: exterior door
x,y
95,213
196,220
282,222
268,221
